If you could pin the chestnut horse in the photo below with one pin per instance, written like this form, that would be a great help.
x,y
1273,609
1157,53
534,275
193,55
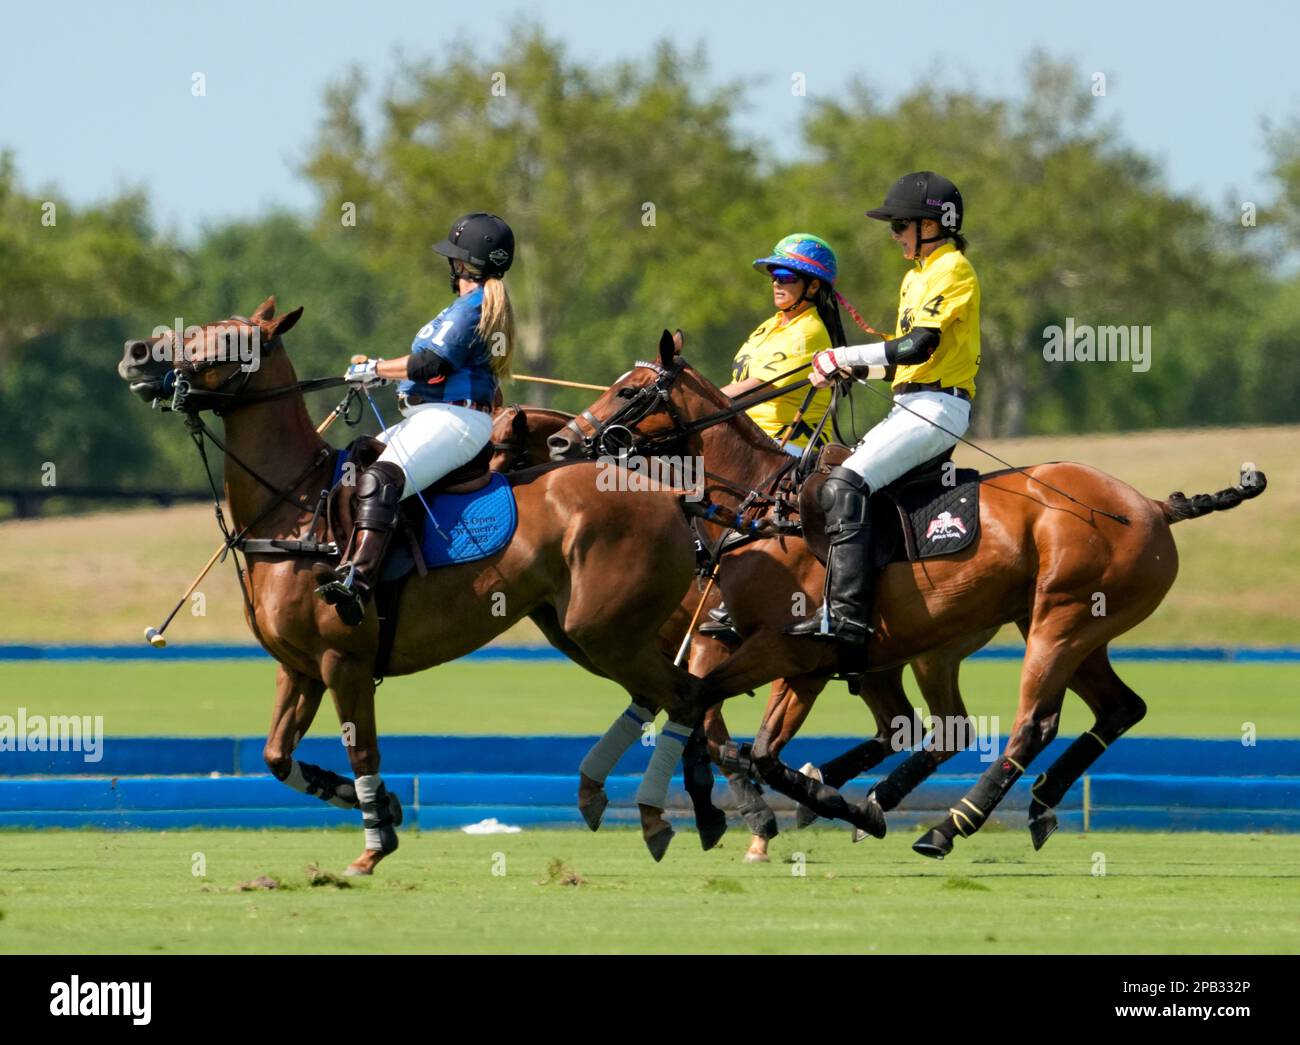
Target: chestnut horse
x,y
578,564
521,436
1052,537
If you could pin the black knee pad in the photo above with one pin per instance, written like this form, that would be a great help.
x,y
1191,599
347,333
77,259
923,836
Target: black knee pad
x,y
843,497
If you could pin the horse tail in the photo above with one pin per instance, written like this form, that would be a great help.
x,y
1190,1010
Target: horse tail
x,y
1178,506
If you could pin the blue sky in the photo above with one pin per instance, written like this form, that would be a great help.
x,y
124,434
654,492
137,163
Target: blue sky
x,y
97,97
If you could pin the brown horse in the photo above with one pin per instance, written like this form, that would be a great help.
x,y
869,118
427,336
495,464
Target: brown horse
x,y
522,433
1052,538
577,564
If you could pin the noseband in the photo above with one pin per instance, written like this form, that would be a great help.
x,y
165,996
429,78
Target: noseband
x,y
615,435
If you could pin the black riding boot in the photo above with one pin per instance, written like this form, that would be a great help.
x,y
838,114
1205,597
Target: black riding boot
x,y
849,575
379,499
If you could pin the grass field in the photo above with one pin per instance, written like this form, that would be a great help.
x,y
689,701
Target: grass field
x,y
104,577
574,892
234,698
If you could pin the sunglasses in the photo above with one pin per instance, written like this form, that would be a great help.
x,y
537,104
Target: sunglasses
x,y
899,225
786,278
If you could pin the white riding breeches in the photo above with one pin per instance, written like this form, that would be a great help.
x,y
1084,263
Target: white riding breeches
x,y
903,440
433,439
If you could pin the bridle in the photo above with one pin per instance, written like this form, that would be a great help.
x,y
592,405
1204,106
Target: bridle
x,y
617,435
189,399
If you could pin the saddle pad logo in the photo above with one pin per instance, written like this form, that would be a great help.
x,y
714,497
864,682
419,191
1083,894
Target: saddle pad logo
x,y
945,525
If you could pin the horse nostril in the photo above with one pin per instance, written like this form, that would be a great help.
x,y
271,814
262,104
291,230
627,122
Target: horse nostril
x,y
139,351
558,445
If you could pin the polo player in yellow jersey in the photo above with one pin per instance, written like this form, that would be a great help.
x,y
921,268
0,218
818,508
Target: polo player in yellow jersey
x,y
932,361
803,269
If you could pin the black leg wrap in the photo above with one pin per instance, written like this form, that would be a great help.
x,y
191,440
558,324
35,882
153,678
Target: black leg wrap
x,y
1051,786
327,786
971,811
823,799
758,815
856,761
905,779
381,815
697,777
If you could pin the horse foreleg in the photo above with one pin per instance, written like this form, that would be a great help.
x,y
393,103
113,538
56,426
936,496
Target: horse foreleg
x,y
297,700
353,689
627,729
883,694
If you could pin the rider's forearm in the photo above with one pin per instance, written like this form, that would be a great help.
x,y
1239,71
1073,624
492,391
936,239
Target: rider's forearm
x,y
914,347
393,369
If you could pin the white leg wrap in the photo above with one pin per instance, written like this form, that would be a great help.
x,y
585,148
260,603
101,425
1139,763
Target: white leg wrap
x,y
606,752
367,790
668,752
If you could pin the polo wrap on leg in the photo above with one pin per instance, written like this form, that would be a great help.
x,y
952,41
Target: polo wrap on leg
x,y
659,773
1051,786
758,815
606,752
376,813
321,783
856,761
972,810
905,779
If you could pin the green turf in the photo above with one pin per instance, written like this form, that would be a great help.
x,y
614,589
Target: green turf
x,y
215,698
94,892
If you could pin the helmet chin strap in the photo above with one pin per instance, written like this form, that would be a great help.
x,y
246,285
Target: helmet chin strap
x,y
803,296
456,277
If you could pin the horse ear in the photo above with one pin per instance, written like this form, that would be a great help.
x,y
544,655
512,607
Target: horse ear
x,y
264,311
519,424
679,339
667,349
281,324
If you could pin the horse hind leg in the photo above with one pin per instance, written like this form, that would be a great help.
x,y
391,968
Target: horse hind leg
x,y
1057,644
1116,709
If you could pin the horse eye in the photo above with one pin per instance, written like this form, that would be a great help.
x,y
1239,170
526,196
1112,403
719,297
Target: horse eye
x,y
626,393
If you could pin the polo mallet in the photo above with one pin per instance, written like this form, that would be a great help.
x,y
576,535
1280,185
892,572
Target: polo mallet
x,y
713,575
155,635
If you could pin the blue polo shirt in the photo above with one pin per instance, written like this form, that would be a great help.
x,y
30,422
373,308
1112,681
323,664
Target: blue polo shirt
x,y
453,335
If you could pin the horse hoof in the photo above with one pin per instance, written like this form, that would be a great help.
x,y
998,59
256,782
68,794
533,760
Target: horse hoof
x,y
803,816
756,858
658,842
364,865
933,844
712,830
869,819
593,809
1042,827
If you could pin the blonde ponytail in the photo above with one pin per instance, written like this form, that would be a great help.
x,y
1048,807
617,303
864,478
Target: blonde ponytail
x,y
497,324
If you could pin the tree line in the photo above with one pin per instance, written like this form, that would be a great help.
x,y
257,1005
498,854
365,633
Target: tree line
x,y
639,205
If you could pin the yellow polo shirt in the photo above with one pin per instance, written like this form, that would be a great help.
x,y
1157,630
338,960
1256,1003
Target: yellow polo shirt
x,y
774,349
942,292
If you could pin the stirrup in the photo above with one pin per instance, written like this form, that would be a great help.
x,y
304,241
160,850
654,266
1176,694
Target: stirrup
x,y
342,594
828,628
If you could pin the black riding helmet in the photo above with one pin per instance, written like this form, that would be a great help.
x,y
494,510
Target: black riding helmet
x,y
921,195
482,240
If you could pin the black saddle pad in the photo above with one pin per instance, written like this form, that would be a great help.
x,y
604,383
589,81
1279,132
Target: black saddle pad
x,y
925,518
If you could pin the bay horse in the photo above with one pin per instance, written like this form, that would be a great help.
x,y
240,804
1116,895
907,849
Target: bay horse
x,y
1056,542
579,564
522,434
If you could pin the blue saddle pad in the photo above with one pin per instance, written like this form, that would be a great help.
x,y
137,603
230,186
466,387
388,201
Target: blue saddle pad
x,y
473,525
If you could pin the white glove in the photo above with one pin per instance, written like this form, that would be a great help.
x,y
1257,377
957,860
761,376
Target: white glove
x,y
831,364
365,373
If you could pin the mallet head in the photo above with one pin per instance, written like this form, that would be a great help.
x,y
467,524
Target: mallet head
x,y
155,638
